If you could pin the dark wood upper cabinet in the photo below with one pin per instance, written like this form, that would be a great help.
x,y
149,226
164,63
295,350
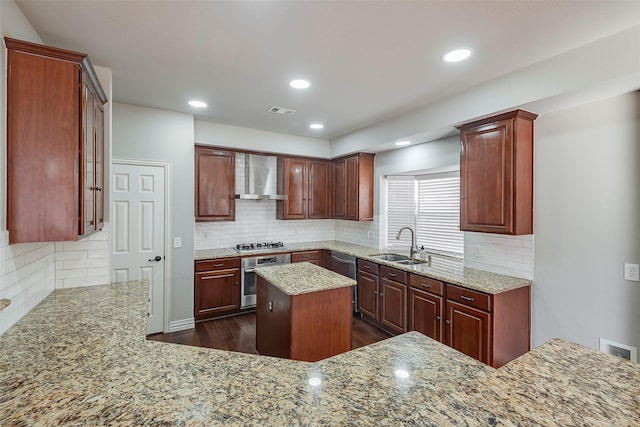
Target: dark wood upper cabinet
x,y
215,184
496,174
306,183
353,187
339,189
55,144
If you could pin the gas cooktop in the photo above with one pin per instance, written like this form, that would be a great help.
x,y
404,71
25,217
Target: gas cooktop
x,y
260,246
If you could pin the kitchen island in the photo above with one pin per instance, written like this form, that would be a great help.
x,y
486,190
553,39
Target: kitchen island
x,y
303,312
81,358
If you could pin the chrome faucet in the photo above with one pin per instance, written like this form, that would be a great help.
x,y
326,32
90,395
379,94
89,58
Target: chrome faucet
x,y
414,245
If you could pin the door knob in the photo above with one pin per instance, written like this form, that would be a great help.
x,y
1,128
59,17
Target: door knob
x,y
157,258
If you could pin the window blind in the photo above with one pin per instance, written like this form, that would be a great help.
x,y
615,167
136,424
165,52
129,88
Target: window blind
x,y
430,204
401,209
438,216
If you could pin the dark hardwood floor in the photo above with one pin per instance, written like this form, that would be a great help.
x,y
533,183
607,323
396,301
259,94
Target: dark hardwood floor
x,y
238,333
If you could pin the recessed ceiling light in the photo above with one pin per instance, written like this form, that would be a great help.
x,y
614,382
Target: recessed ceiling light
x,y
198,104
316,126
457,55
402,143
300,84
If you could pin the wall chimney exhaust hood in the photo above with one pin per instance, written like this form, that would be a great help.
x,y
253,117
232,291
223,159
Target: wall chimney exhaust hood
x,y
259,180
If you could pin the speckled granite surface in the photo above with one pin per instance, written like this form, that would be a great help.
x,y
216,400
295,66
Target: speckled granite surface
x,y
303,277
447,269
80,358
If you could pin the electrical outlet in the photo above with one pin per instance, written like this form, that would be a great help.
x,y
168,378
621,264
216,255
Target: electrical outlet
x,y
632,272
177,242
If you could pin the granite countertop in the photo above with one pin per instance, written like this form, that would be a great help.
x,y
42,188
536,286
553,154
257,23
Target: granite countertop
x,y
447,269
80,358
303,278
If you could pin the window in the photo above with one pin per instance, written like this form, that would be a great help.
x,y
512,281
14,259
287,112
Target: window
x,y
430,204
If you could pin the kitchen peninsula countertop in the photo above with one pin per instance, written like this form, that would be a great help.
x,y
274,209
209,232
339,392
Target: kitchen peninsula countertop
x,y
303,277
447,269
81,358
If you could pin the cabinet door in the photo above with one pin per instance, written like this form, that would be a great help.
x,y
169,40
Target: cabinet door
x,y
319,187
368,294
215,185
486,178
88,161
295,187
352,187
217,292
468,331
393,305
99,166
425,313
340,189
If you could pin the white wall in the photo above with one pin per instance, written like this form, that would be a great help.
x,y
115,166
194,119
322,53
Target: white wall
x,y
151,134
587,223
240,138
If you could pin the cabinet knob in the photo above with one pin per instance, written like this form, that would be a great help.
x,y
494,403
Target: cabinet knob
x,y
237,283
448,322
381,294
461,197
437,317
98,189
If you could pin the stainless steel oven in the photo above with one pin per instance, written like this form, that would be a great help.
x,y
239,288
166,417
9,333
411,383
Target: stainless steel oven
x,y
248,282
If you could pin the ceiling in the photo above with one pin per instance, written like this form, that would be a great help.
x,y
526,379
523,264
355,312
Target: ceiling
x,y
367,61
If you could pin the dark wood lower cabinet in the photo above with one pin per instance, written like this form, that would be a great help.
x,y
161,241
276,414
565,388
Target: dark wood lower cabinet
x,y
216,290
393,305
469,331
368,294
425,313
494,329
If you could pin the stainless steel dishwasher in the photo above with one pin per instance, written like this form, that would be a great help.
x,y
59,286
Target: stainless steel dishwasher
x,y
346,265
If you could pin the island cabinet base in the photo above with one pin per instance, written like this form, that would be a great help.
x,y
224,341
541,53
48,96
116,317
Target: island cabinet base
x,y
308,327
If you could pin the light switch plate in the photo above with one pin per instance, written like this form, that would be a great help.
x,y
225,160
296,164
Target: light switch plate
x,y
177,242
632,272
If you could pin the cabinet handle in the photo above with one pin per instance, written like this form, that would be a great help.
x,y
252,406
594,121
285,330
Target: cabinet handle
x,y
425,285
391,274
466,298
98,189
270,306
218,265
367,267
249,270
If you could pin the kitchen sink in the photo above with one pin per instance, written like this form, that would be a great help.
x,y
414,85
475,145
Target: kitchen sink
x,y
391,257
411,262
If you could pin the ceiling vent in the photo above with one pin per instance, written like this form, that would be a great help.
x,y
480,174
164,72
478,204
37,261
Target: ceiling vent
x,y
280,110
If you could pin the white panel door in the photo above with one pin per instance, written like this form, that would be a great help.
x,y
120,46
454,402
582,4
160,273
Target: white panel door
x,y
137,232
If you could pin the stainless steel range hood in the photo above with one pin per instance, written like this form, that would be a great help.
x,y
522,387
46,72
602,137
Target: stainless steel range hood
x,y
260,177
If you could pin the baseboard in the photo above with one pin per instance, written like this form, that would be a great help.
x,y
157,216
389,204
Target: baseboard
x,y
4,238
181,325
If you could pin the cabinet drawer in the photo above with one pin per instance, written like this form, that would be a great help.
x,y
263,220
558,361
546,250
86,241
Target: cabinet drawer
x,y
426,284
305,256
217,264
468,297
369,267
393,274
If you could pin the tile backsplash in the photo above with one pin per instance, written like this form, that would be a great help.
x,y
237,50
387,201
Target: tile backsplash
x,y
256,221
497,253
26,278
84,262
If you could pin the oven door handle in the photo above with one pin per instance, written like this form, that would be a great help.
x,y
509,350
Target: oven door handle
x,y
249,270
